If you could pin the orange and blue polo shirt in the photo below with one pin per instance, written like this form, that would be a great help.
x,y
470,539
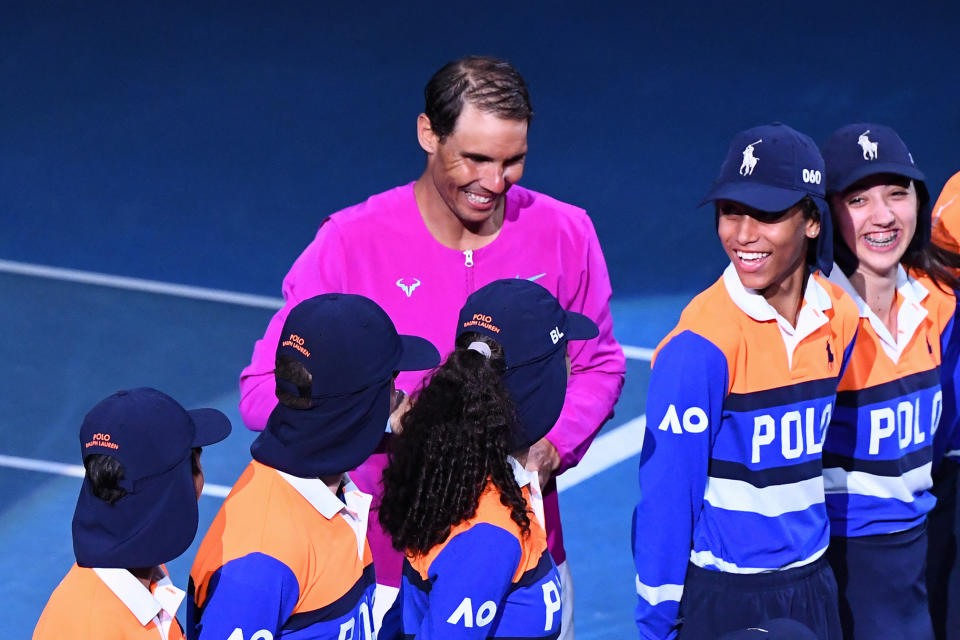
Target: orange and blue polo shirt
x,y
111,604
895,412
486,580
284,558
730,471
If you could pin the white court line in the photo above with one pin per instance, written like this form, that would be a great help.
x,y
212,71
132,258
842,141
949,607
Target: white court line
x,y
637,353
76,471
139,284
187,291
607,450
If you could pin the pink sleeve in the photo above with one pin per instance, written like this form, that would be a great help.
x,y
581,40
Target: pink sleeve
x,y
317,270
597,366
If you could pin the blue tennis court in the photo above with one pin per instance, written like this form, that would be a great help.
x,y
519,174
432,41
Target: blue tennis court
x,y
189,151
72,342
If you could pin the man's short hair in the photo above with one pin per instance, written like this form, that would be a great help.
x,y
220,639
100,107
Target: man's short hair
x,y
490,84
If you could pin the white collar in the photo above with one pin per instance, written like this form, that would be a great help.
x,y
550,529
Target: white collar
x,y
810,318
317,493
356,509
145,606
526,478
756,306
909,317
523,476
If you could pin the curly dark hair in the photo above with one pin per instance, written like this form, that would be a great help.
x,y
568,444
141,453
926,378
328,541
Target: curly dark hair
x,y
490,84
454,442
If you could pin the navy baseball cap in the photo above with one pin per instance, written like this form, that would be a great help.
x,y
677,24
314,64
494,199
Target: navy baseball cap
x,y
771,168
533,329
864,149
351,349
151,436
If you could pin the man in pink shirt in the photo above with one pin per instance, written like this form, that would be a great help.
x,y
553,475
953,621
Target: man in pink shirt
x,y
420,249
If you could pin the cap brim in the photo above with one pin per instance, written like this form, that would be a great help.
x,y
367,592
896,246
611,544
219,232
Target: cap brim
x,y
211,426
875,168
758,196
418,354
580,327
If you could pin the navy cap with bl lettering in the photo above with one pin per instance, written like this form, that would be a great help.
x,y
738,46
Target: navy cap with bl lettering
x,y
151,436
533,329
524,318
771,168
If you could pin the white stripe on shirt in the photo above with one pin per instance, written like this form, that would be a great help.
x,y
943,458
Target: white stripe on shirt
x,y
706,559
772,501
663,593
901,487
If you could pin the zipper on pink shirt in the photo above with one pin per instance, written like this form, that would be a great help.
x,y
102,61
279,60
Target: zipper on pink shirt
x,y
468,263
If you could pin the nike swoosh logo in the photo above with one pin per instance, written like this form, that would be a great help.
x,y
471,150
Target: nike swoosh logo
x,y
532,278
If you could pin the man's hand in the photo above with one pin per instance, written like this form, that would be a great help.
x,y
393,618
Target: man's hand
x,y
544,459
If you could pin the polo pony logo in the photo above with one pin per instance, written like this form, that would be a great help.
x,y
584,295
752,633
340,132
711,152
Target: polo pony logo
x,y
749,160
408,289
869,147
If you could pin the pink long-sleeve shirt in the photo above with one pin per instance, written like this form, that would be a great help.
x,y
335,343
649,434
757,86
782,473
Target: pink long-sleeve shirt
x,y
382,249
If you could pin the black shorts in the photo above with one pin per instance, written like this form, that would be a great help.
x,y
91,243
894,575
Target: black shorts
x,y
715,602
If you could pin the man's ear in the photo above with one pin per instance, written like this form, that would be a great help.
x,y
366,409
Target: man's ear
x,y
425,134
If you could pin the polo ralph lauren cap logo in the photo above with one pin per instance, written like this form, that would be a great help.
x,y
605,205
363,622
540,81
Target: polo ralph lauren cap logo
x,y
772,168
151,436
749,160
533,329
351,349
356,343
863,149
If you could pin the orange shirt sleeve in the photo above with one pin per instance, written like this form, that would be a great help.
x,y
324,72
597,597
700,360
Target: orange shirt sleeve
x,y
946,216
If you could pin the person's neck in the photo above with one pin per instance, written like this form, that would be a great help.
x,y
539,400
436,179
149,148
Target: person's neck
x,y
448,229
333,482
786,296
145,575
879,291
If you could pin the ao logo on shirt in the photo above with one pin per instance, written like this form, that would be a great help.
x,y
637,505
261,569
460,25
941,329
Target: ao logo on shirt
x,y
798,432
464,614
488,610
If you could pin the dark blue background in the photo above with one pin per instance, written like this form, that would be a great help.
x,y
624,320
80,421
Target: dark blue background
x,y
202,143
